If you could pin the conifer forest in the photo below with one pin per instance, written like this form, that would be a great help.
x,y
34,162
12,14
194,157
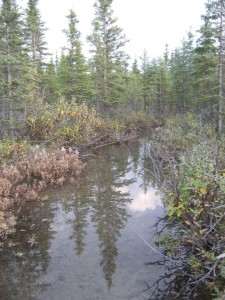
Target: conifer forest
x,y
56,109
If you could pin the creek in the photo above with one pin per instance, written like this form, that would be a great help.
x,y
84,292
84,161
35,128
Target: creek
x,y
76,243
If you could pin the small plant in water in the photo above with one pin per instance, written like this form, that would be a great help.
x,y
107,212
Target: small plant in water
x,y
32,240
11,244
167,241
219,295
19,254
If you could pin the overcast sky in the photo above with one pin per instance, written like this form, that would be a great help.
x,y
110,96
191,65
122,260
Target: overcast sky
x,y
148,24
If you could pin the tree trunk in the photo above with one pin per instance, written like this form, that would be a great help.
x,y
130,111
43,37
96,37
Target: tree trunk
x,y
221,96
105,61
9,86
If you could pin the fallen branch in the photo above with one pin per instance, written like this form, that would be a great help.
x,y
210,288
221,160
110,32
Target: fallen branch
x,y
153,249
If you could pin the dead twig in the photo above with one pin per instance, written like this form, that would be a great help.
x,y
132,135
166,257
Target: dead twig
x,y
153,249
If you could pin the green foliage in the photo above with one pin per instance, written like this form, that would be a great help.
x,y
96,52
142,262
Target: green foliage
x,y
181,72
34,33
167,241
40,127
12,151
14,67
73,71
80,124
200,187
183,132
53,85
77,124
219,294
193,167
109,61
68,122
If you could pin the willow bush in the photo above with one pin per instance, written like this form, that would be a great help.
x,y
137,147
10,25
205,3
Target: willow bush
x,y
191,162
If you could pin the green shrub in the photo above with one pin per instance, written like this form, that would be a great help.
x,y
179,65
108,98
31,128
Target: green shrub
x,y
12,151
191,161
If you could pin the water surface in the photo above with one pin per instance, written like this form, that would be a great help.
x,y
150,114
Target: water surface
x,y
76,242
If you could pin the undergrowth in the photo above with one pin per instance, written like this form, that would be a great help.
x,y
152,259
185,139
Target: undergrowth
x,y
190,160
22,182
77,124
65,128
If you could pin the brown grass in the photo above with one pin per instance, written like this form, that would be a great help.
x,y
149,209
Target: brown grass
x,y
23,182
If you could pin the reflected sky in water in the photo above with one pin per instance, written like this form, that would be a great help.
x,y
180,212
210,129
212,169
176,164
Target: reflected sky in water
x,y
143,201
83,247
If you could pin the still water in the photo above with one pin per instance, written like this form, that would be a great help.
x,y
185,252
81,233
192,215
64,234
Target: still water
x,y
76,244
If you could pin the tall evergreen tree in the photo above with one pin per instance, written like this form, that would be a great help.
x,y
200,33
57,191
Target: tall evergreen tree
x,y
215,17
181,67
53,91
162,88
73,69
134,91
145,82
205,81
14,68
109,61
34,33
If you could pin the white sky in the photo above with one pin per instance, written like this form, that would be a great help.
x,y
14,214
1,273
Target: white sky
x,y
148,24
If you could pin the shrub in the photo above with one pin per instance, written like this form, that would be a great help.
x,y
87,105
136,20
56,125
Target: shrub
x,y
192,164
12,151
63,122
25,180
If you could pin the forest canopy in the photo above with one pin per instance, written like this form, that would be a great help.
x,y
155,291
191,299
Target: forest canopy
x,y
187,79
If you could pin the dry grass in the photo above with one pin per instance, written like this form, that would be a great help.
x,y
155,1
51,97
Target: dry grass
x,y
23,182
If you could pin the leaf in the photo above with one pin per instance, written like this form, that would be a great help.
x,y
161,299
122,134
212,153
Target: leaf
x,y
179,212
202,230
189,241
203,191
172,211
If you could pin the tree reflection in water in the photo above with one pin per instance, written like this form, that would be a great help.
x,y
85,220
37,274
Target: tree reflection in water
x,y
99,199
20,264
109,207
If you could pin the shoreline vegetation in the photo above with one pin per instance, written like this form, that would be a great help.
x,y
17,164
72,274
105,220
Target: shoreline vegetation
x,y
59,139
188,158
53,110
189,164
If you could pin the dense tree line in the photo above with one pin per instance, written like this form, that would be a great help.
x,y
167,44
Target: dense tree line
x,y
190,78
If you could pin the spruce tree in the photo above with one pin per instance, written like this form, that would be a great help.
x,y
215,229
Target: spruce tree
x,y
181,68
109,61
215,17
145,81
36,45
162,88
134,92
73,70
53,91
205,81
14,68
35,34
